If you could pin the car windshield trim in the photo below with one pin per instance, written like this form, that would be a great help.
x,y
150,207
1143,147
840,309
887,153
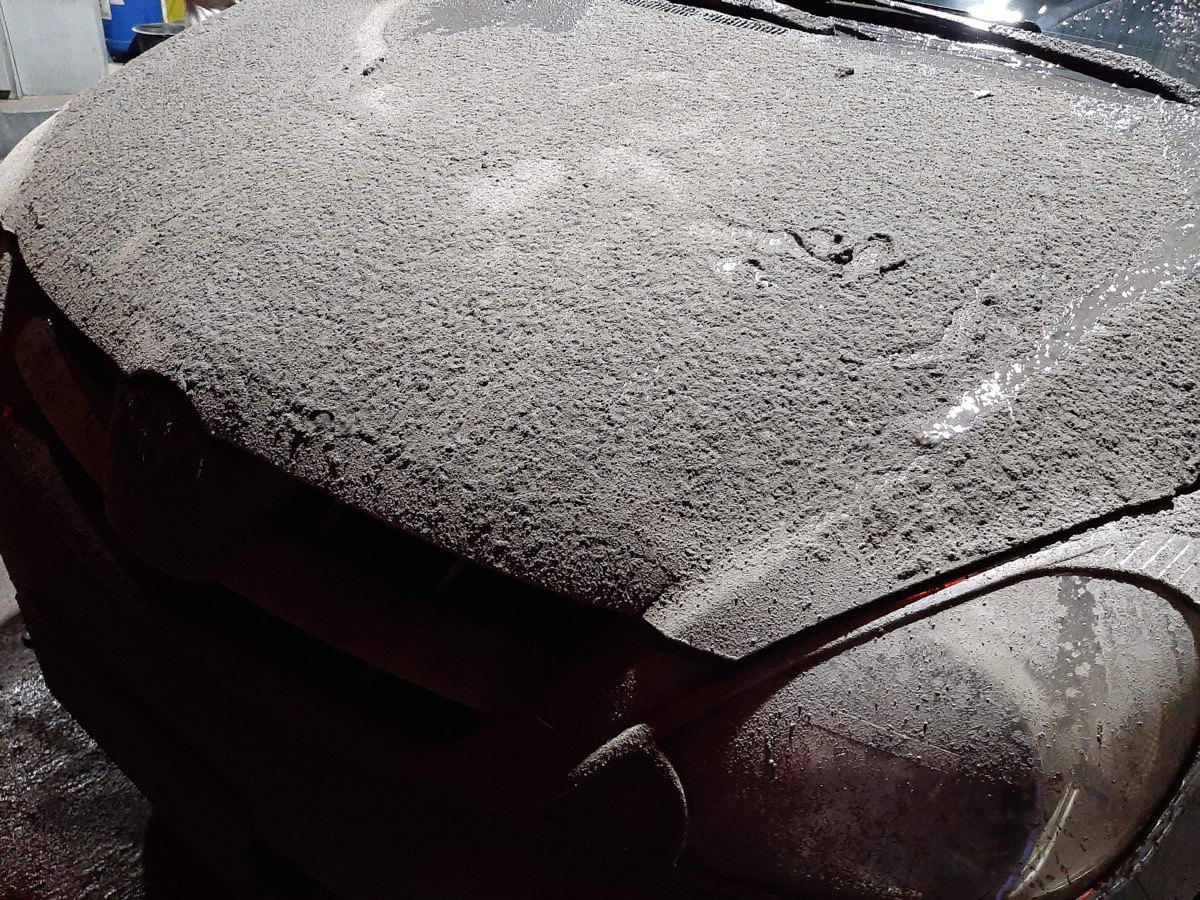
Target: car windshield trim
x,y
830,16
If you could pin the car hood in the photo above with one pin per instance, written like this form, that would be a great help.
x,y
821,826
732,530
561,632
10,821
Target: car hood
x,y
663,313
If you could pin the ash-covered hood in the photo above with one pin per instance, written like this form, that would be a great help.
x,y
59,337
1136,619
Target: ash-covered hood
x,y
648,309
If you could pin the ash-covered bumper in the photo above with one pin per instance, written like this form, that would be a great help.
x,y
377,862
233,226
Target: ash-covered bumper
x,y
251,731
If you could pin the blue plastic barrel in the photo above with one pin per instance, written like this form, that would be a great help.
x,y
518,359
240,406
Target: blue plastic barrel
x,y
119,18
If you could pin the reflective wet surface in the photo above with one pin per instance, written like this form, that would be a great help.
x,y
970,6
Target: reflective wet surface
x,y
1173,255
71,825
1165,33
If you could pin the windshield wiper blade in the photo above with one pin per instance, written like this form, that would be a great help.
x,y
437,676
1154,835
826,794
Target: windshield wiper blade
x,y
1096,62
785,15
830,16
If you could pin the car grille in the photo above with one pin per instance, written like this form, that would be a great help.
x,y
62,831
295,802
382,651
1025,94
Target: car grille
x,y
342,600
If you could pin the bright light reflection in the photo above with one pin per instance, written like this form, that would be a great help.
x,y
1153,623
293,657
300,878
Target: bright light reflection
x,y
994,11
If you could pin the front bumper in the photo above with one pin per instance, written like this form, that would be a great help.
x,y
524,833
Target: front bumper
x,y
241,729
235,750
256,739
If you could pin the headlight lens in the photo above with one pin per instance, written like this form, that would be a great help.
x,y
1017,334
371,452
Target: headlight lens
x,y
1014,746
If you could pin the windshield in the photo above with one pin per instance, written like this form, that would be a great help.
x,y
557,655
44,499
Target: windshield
x,y
1165,33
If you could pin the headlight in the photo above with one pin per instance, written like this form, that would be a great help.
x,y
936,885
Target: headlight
x,y
1014,746
180,500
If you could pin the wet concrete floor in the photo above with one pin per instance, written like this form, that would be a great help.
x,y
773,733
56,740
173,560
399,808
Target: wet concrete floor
x,y
72,826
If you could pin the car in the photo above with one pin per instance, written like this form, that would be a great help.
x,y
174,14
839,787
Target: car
x,y
625,448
